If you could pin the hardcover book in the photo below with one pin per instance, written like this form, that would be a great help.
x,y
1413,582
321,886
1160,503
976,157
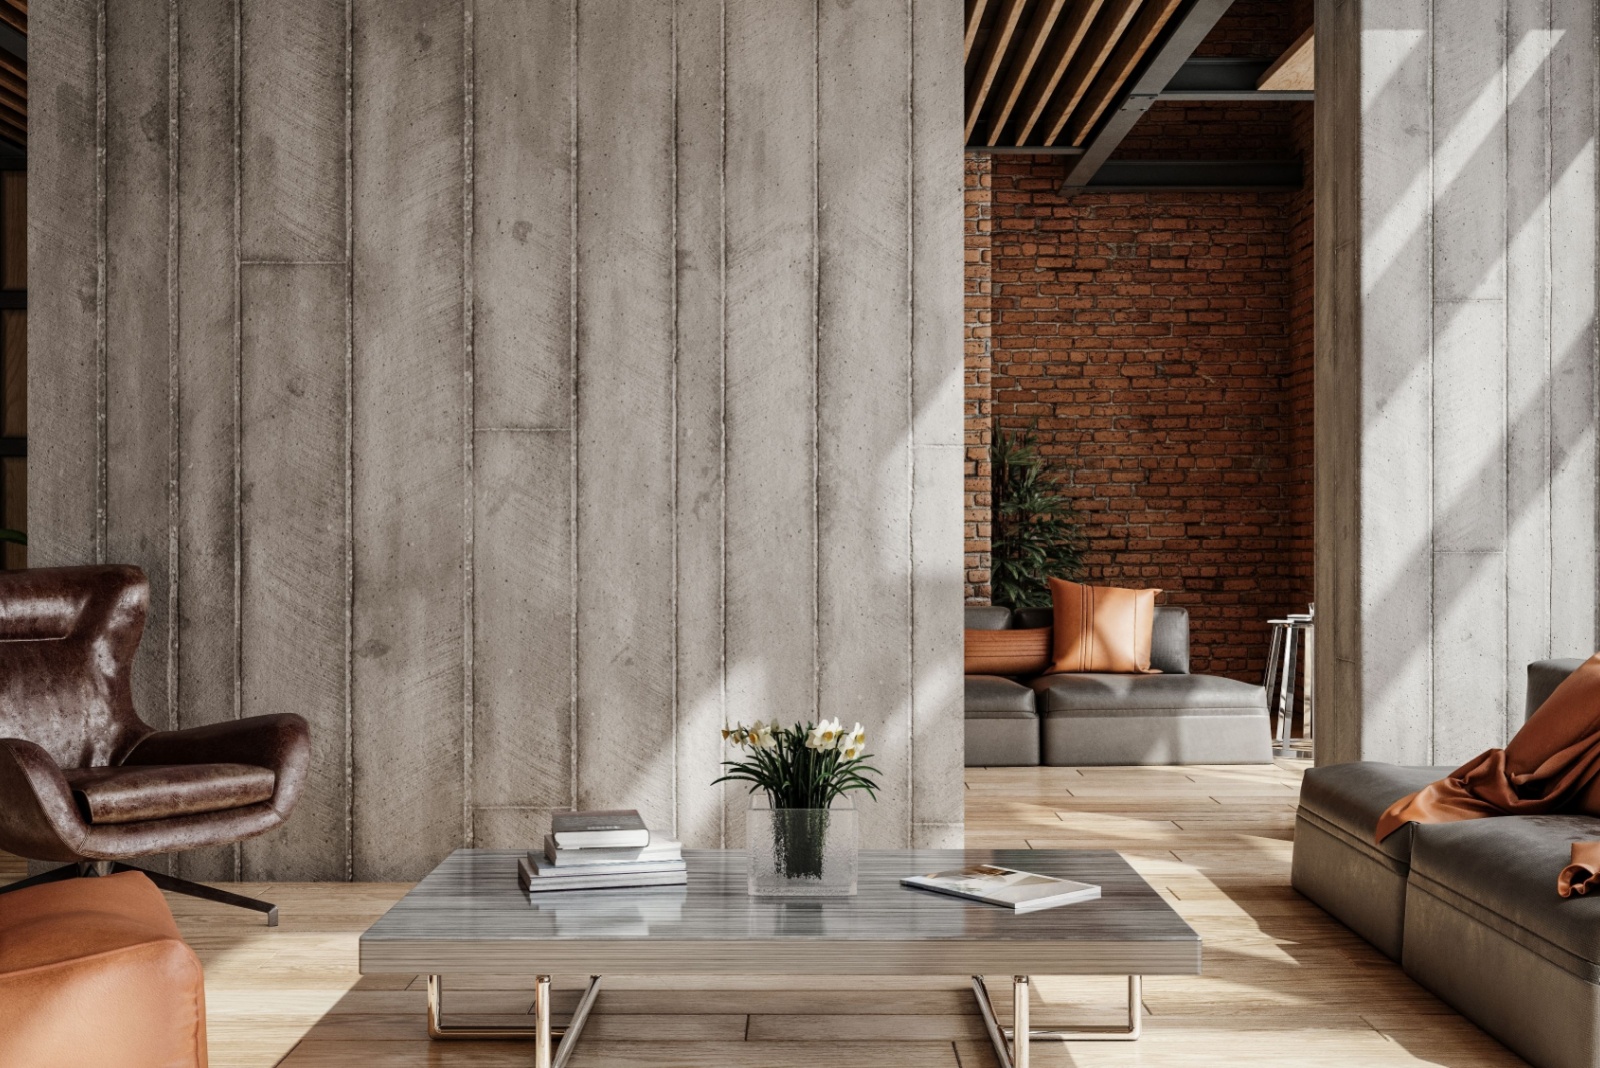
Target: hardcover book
x,y
535,884
544,868
1020,891
660,847
614,829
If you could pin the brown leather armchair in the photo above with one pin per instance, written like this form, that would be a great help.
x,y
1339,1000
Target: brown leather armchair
x,y
85,781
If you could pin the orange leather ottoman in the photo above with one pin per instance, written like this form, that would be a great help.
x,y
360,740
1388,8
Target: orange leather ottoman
x,y
93,972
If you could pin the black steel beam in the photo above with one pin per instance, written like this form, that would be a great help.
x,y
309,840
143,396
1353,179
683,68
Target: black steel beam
x,y
1026,150
13,447
1225,78
1178,42
1214,175
13,42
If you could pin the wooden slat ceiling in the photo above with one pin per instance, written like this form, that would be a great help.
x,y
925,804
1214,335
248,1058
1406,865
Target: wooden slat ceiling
x,y
1043,72
14,78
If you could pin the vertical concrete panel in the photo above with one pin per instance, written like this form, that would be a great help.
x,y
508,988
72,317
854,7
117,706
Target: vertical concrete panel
x,y
522,609
1573,478
522,200
294,650
625,427
292,166
138,335
864,392
64,448
698,403
1470,606
937,390
408,481
1527,377
770,183
206,667
1395,382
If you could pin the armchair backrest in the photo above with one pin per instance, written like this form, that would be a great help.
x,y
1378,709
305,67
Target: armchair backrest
x,y
68,636
1543,678
1169,640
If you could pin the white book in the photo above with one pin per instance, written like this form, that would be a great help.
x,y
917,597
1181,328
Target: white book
x,y
544,868
536,885
611,828
659,847
1018,890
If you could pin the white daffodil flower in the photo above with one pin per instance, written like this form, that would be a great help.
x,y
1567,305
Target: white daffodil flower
x,y
852,745
824,735
762,733
737,735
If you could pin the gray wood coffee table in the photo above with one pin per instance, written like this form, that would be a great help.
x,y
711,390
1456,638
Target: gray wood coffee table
x,y
470,916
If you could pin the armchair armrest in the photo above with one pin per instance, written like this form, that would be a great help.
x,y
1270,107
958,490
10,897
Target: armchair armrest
x,y
281,742
38,818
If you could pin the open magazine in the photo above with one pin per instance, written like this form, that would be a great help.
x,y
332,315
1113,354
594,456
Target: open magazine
x,y
1018,890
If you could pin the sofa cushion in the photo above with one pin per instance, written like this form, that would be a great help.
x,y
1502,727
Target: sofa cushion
x,y
992,697
1101,628
1169,640
1007,652
1145,695
1502,871
1351,797
987,617
133,794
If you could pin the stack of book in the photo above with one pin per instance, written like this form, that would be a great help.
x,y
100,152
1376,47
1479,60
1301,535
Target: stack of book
x,y
602,850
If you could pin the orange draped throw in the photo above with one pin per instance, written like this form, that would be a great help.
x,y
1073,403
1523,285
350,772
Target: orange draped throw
x,y
1551,765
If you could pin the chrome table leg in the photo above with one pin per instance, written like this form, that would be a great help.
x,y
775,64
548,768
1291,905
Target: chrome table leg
x,y
553,1044
1014,1053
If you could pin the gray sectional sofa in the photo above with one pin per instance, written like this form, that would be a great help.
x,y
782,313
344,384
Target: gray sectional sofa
x,y
1469,909
1086,719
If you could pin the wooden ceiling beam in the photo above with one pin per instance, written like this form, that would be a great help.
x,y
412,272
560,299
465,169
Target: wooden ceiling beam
x,y
994,52
1153,18
13,84
975,10
1022,64
17,20
13,125
1068,37
1097,47
1296,69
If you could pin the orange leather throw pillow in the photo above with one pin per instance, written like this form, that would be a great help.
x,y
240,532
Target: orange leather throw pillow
x,y
1101,628
1008,652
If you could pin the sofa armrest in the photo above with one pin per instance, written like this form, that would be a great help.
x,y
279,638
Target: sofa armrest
x,y
281,742
38,818
1543,678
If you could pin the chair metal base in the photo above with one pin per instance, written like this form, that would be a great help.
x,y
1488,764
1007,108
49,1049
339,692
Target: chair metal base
x,y
92,868
1011,1043
542,1033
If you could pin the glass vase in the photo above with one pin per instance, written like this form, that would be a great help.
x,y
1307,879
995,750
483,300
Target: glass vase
x,y
802,852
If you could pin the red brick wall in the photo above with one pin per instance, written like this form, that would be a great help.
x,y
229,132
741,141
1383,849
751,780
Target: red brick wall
x,y
979,226
1147,336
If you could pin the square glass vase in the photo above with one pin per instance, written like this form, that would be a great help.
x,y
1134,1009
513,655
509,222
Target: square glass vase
x,y
802,852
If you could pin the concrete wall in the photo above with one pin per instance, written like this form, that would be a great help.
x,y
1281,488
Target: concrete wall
x,y
517,389
1456,366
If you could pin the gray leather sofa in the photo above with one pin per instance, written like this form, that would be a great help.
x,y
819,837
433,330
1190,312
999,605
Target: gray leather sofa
x,y
1086,719
1469,909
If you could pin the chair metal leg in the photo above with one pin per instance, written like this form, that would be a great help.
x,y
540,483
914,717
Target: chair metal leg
x,y
1286,690
1308,700
204,892
66,871
1274,650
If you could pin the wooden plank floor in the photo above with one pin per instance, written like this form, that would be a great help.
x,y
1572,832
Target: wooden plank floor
x,y
1282,983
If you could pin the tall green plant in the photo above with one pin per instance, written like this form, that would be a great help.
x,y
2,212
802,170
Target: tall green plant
x,y
1036,533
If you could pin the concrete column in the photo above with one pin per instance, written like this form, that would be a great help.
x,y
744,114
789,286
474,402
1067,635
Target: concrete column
x,y
1456,366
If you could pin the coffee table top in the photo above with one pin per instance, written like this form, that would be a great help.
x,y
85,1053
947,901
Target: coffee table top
x,y
470,916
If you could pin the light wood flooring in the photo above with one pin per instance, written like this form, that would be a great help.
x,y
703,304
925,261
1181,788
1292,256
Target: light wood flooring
x,y
1282,984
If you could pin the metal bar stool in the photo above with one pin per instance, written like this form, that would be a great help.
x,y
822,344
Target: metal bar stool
x,y
1288,634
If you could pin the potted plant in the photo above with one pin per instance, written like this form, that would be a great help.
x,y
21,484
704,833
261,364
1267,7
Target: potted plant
x,y
802,832
1036,533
